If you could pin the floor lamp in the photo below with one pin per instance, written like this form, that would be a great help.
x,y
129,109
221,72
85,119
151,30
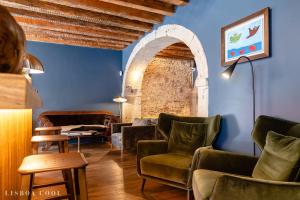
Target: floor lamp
x,y
227,75
120,100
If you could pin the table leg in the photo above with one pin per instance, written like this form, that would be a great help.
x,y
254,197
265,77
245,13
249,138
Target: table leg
x,y
67,174
60,147
34,147
76,181
66,146
26,186
82,184
78,147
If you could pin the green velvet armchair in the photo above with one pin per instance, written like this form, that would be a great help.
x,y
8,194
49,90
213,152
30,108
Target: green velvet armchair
x,y
155,162
228,176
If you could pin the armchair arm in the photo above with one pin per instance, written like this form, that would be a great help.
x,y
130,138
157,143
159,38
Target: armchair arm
x,y
116,127
195,163
228,162
150,147
234,187
132,134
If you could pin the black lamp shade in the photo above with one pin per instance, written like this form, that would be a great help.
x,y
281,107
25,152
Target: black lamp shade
x,y
228,72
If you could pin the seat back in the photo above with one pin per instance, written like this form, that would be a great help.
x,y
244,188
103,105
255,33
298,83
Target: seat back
x,y
264,124
165,122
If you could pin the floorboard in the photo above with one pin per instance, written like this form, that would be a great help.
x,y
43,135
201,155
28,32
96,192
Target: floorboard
x,y
109,177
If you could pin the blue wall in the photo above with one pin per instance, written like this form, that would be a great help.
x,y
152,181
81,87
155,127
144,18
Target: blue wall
x,y
277,77
77,78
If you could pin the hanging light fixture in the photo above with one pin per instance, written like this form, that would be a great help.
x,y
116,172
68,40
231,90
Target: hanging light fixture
x,y
32,65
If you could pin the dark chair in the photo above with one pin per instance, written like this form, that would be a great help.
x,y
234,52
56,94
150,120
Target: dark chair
x,y
124,136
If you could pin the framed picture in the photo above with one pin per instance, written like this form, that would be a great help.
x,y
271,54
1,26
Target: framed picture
x,y
247,37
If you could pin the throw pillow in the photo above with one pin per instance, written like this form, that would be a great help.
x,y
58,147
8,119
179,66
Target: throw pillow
x,y
279,158
140,122
186,137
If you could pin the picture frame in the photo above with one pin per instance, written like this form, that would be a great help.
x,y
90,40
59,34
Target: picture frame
x,y
248,36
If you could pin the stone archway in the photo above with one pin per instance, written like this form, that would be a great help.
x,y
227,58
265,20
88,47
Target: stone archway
x,y
143,53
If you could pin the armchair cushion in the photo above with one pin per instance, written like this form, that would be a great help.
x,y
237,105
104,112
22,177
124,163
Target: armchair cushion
x,y
170,166
185,137
279,158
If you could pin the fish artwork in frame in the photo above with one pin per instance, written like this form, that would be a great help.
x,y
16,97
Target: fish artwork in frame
x,y
246,37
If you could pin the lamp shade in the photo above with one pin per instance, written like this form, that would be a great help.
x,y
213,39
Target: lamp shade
x,y
228,72
33,65
119,99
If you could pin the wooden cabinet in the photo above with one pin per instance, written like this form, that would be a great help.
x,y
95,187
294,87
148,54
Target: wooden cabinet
x,y
16,100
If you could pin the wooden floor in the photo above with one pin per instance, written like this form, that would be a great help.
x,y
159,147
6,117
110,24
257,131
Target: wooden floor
x,y
110,178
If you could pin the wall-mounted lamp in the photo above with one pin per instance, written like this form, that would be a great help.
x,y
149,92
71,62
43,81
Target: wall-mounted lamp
x,y
227,75
32,65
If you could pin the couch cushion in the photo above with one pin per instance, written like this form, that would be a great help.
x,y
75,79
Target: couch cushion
x,y
185,137
204,182
279,158
170,166
141,122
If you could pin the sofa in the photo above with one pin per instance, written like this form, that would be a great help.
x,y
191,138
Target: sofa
x,y
79,119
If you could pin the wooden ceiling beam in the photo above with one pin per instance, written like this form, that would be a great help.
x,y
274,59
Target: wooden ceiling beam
x,y
87,31
176,2
73,42
37,31
75,13
173,57
178,48
72,22
146,5
178,52
111,9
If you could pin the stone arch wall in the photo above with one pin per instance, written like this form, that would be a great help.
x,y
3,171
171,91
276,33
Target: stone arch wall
x,y
167,86
144,52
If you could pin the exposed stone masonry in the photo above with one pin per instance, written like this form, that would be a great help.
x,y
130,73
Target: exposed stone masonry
x,y
167,87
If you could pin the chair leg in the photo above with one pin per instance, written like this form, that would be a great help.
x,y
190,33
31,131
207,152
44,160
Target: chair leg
x,y
189,196
143,184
